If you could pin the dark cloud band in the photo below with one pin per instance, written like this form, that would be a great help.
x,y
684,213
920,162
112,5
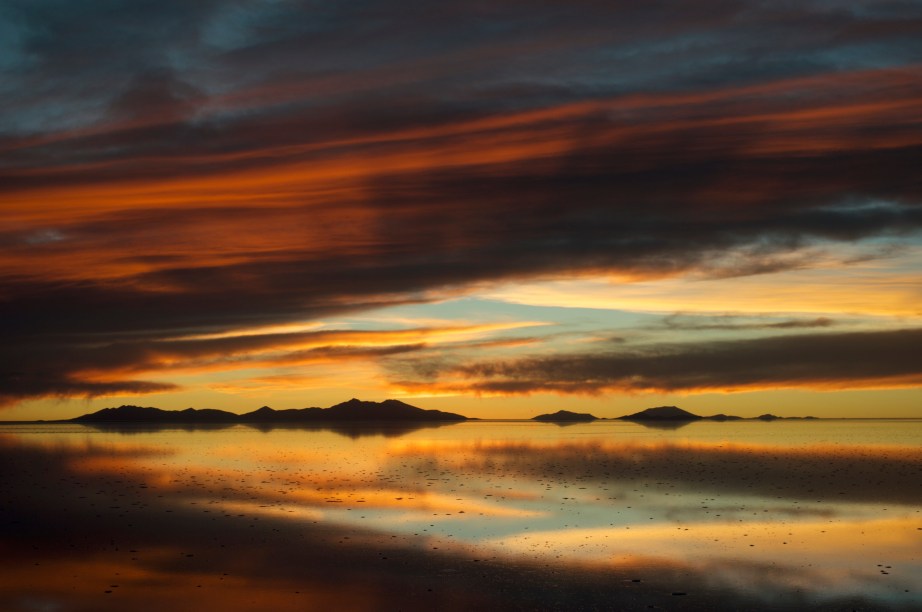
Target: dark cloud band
x,y
828,360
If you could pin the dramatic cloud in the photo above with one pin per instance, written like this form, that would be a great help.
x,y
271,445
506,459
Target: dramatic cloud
x,y
844,360
188,168
80,367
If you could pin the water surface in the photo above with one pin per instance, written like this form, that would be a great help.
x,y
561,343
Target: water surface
x,y
514,515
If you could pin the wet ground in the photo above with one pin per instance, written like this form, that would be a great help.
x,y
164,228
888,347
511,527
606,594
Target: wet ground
x,y
486,515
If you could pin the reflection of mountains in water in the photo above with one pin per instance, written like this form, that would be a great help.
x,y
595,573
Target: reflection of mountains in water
x,y
665,425
129,428
350,429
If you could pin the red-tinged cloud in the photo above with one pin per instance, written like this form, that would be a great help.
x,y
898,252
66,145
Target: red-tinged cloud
x,y
812,361
238,166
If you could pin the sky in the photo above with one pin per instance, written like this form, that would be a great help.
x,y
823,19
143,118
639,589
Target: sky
x,y
497,209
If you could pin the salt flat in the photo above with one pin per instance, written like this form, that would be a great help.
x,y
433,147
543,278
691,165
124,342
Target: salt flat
x,y
489,515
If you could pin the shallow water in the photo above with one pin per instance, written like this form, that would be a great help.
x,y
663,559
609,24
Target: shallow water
x,y
754,515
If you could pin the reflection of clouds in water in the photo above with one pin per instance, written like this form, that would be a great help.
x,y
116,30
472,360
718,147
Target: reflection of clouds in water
x,y
80,532
840,473
208,520
804,555
302,482
724,509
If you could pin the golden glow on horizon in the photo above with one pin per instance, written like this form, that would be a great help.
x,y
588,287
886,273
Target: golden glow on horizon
x,y
867,289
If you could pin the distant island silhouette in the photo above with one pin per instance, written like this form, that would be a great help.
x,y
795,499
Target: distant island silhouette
x,y
565,416
353,410
676,414
662,413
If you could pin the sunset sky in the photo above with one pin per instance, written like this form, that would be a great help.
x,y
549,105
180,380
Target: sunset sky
x,y
493,208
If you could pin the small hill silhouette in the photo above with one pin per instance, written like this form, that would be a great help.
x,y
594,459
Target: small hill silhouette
x,y
724,417
662,413
565,416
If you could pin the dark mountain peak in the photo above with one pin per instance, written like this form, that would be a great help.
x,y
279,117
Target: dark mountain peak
x,y
565,416
139,414
662,413
355,402
265,414
123,412
391,409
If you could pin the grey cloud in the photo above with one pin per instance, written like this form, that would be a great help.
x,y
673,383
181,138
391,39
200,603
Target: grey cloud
x,y
807,360
731,323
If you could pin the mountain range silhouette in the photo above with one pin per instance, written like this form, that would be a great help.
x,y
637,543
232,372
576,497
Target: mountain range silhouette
x,y
353,410
358,411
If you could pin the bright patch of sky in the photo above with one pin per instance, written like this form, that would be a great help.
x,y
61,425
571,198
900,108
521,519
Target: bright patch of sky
x,y
875,287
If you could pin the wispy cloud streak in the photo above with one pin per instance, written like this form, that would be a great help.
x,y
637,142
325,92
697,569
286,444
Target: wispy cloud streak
x,y
192,168
818,361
